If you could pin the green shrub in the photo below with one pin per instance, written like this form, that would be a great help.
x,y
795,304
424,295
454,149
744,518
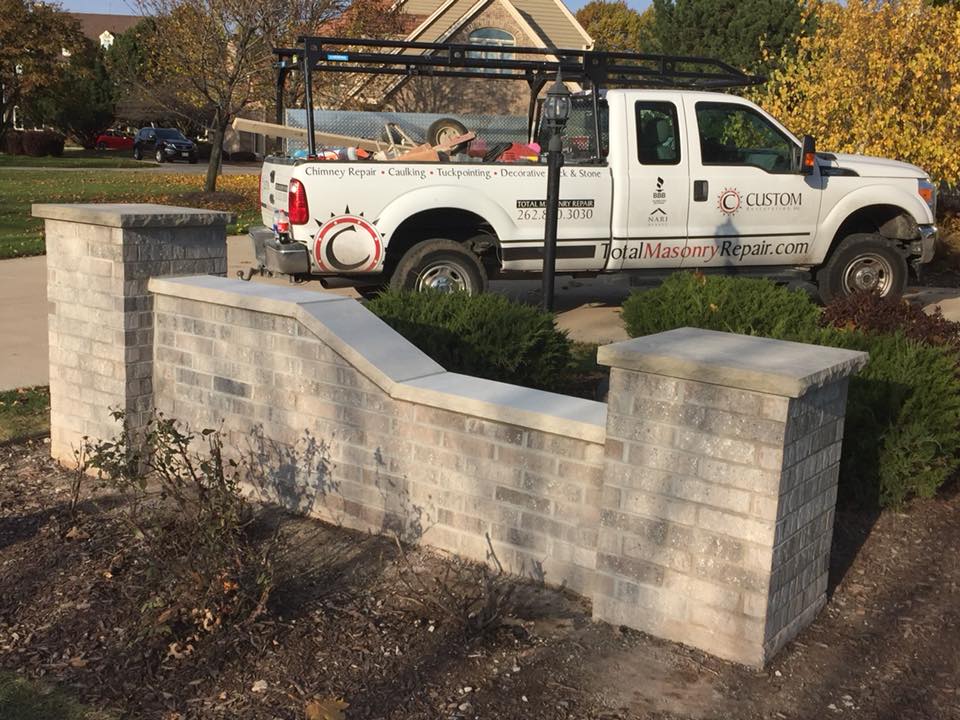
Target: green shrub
x,y
486,335
730,304
902,430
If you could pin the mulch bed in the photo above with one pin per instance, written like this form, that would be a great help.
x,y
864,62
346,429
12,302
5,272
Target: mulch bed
x,y
343,624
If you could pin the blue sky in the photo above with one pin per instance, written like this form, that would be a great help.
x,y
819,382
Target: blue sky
x,y
129,7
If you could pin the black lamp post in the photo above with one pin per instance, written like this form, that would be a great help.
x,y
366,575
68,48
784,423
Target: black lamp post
x,y
556,112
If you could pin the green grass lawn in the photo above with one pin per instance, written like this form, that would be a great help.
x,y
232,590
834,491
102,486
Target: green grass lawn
x,y
24,413
74,158
21,699
21,234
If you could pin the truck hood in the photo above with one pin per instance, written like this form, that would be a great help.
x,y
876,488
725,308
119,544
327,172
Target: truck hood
x,y
866,166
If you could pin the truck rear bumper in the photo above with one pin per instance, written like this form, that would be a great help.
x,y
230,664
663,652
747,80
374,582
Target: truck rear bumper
x,y
286,258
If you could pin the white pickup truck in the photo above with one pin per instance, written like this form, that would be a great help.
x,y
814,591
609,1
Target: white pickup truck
x,y
688,180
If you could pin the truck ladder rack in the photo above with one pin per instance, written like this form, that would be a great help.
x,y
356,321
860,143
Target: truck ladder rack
x,y
535,66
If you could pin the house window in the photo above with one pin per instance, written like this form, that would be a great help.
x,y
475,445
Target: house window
x,y
494,37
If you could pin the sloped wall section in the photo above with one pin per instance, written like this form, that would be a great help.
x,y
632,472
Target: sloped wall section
x,y
435,456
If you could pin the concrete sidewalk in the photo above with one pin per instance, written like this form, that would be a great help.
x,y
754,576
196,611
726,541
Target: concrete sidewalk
x,y
23,322
588,309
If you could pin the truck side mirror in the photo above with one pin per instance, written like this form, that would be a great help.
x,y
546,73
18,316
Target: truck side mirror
x,y
808,155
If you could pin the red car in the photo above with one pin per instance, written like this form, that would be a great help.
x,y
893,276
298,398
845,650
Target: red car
x,y
114,140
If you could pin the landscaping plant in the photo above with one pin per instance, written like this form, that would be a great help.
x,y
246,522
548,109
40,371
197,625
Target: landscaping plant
x,y
872,313
728,304
192,527
902,431
487,336
874,79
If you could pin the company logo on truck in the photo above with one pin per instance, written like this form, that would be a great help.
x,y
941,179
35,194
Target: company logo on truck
x,y
348,242
730,201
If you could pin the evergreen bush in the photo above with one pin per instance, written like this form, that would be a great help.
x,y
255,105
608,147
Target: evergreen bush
x,y
484,335
902,431
729,304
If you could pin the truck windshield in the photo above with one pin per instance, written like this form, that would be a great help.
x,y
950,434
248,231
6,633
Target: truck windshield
x,y
579,136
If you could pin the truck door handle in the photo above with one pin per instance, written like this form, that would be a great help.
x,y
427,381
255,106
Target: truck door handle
x,y
700,190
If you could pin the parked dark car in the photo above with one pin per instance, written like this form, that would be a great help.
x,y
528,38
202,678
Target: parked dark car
x,y
165,144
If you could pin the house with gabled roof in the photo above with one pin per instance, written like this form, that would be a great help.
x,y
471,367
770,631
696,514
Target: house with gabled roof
x,y
496,23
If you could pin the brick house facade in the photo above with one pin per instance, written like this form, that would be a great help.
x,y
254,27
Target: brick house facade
x,y
501,23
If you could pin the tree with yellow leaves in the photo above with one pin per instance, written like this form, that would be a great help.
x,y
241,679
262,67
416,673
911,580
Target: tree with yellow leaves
x,y
876,78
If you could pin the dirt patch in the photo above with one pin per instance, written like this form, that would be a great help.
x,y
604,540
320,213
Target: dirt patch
x,y
342,624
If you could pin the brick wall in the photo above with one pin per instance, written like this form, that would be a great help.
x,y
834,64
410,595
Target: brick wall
x,y
447,478
466,96
99,259
698,506
697,511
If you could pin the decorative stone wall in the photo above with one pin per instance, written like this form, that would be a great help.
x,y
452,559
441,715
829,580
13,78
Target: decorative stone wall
x,y
719,487
438,457
99,259
698,506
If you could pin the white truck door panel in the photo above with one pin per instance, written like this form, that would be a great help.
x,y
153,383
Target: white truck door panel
x,y
748,206
659,184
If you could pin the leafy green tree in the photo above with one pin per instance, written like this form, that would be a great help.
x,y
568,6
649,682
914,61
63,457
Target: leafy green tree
x,y
80,102
32,39
735,31
614,25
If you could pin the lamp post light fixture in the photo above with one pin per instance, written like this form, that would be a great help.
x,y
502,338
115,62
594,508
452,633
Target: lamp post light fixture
x,y
556,112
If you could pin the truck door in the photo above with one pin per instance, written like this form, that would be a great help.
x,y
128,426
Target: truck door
x,y
749,205
659,187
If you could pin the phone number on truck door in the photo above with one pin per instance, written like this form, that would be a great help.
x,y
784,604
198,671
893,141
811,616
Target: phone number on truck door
x,y
568,210
562,214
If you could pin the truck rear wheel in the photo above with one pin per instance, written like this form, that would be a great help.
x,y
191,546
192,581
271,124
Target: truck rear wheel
x,y
863,262
440,265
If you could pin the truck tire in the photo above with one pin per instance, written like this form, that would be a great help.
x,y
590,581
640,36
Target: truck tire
x,y
445,129
441,265
863,262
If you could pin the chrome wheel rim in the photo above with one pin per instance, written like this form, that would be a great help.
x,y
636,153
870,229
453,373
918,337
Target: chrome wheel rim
x,y
868,273
443,277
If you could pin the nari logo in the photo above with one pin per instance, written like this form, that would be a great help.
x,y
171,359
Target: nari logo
x,y
729,201
348,243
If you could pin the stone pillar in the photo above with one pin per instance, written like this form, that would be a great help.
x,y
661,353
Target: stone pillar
x,y
99,259
720,483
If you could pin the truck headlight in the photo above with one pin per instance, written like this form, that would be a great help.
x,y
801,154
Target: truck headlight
x,y
928,191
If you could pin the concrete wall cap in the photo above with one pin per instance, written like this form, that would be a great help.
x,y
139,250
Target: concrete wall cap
x,y
763,365
130,215
501,402
392,362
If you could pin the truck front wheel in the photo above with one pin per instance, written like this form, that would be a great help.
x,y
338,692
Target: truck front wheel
x,y
440,265
863,262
